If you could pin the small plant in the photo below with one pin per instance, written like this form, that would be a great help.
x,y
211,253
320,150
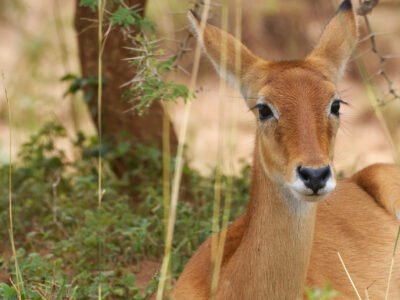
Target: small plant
x,y
317,294
151,64
89,85
58,225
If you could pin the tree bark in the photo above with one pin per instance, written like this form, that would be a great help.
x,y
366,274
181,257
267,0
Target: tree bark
x,y
119,121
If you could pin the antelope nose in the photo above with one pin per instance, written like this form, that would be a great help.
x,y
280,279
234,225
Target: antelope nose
x,y
315,179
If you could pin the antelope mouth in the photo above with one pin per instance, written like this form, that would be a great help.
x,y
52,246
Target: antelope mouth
x,y
312,184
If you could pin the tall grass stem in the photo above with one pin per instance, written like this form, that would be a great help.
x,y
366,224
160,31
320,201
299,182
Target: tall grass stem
x,y
231,148
392,264
179,161
99,93
349,277
216,238
101,6
10,212
166,179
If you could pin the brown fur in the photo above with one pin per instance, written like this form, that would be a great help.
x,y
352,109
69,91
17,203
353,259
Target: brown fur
x,y
282,242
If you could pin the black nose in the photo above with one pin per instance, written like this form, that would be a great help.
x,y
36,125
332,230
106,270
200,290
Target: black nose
x,y
315,179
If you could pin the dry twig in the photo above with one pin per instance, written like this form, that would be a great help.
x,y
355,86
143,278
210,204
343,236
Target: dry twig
x,y
365,8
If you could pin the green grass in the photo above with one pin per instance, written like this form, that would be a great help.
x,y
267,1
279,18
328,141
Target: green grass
x,y
68,246
58,226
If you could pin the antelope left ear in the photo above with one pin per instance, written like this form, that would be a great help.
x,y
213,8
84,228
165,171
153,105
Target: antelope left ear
x,y
337,42
235,63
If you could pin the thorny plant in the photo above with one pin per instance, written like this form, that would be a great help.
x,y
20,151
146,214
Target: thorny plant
x,y
364,9
153,64
149,83
150,86
149,59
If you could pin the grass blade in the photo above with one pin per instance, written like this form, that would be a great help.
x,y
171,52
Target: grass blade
x,y
11,231
179,163
348,276
392,264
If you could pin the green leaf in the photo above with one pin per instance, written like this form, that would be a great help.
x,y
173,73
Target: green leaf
x,y
123,17
69,77
61,291
8,292
119,291
89,94
92,4
147,23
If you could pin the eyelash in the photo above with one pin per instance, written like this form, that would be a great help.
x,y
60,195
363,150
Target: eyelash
x,y
266,115
333,106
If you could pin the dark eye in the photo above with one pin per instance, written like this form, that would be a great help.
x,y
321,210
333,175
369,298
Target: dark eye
x,y
264,112
335,108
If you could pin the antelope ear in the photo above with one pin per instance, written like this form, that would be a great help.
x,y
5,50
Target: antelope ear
x,y
337,41
231,59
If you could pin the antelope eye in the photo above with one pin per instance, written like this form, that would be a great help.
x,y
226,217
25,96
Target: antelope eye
x,y
264,112
335,108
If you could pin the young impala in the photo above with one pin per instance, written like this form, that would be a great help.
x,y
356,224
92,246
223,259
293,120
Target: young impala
x,y
300,215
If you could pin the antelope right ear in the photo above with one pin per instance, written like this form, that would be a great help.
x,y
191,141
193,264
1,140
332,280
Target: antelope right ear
x,y
337,41
234,63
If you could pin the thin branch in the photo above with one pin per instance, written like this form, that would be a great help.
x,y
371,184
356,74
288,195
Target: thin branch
x,y
367,37
366,7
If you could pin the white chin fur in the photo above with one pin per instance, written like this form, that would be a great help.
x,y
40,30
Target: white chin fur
x,y
302,191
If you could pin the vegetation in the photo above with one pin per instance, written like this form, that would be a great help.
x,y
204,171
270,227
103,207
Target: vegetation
x,y
58,228
66,245
150,85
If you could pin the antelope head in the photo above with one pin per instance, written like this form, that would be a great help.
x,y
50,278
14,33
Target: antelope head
x,y
296,103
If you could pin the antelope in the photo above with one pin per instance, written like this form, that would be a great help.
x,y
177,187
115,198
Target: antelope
x,y
299,215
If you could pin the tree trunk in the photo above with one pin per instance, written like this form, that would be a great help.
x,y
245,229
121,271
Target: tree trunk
x,y
119,121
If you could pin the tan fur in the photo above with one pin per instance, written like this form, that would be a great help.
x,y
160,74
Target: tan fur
x,y
381,181
283,241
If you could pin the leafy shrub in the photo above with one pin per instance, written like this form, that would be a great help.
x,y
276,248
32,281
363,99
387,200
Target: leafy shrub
x,y
66,245
62,235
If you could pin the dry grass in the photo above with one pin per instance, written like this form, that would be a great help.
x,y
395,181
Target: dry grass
x,y
382,146
10,212
179,162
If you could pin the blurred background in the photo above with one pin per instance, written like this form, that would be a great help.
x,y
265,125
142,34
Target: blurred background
x,y
40,46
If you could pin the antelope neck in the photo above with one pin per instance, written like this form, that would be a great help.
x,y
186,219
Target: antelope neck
x,y
276,244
